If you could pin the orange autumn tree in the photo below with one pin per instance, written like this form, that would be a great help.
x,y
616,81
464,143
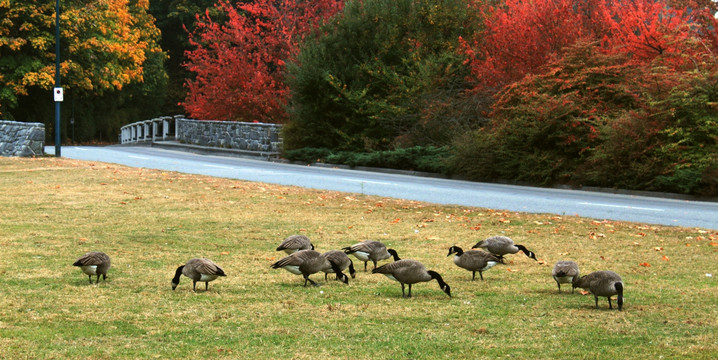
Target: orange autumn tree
x,y
239,64
104,46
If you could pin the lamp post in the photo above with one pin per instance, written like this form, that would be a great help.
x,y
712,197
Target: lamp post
x,y
57,91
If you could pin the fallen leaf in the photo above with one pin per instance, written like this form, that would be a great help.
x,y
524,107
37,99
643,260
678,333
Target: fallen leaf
x,y
396,221
665,258
658,248
584,292
645,264
511,270
224,253
712,244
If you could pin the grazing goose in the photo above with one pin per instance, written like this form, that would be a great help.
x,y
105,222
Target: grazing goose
x,y
198,270
295,243
411,272
371,250
94,263
474,260
603,283
502,245
341,260
307,262
565,272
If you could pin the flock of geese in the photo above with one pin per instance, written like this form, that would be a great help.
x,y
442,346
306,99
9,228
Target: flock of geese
x,y
303,260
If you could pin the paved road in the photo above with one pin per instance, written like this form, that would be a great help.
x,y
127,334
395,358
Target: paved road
x,y
651,210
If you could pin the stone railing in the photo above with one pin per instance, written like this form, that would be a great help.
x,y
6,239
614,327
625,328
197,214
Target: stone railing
x,y
241,137
162,128
21,139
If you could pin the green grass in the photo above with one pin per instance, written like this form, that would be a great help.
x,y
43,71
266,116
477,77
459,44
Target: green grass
x,y
150,222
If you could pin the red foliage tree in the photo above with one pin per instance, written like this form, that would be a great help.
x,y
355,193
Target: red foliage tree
x,y
239,64
522,36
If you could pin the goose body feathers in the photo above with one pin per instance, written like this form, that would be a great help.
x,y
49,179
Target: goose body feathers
x,y
565,272
341,260
308,262
502,245
474,260
371,250
409,272
603,283
94,263
295,243
198,269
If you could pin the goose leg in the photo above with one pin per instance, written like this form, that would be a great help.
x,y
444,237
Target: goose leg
x,y
559,286
206,285
194,285
90,276
609,303
409,290
365,266
481,274
306,278
473,275
402,291
596,297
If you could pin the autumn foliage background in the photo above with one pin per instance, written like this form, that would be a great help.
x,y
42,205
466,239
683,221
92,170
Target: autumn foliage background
x,y
602,93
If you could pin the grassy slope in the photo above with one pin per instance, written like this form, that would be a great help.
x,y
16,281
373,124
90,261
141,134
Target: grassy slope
x,y
150,222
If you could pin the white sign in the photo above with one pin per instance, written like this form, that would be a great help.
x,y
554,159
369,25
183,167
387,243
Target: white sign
x,y
58,94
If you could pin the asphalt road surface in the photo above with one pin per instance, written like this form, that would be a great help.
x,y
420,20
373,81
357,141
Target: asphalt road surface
x,y
597,205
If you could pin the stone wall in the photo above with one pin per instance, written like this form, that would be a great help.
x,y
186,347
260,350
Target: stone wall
x,y
258,137
21,139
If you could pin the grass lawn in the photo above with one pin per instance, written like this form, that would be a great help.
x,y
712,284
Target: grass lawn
x,y
150,222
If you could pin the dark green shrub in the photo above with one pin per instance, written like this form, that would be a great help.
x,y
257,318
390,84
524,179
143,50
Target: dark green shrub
x,y
425,159
307,155
366,77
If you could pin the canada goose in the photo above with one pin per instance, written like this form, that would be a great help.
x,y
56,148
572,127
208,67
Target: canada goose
x,y
603,283
341,260
307,262
474,260
198,270
94,263
371,250
565,272
502,245
411,272
295,243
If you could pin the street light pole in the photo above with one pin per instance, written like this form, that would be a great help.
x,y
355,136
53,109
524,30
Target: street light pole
x,y
57,92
